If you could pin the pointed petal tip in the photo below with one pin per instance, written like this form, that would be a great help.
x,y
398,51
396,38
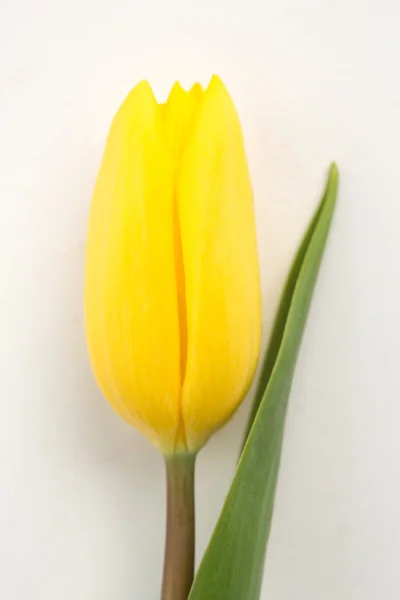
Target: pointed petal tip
x,y
141,92
144,83
143,87
196,91
216,79
216,86
177,86
177,92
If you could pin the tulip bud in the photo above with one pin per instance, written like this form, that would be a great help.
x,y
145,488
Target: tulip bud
x,y
172,290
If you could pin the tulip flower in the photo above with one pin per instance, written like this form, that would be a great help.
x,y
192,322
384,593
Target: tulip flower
x,y
172,291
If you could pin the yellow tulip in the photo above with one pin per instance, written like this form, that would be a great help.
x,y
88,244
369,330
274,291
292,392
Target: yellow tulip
x,y
172,290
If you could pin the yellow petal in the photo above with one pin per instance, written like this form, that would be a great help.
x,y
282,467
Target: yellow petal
x,y
197,93
180,112
223,304
131,311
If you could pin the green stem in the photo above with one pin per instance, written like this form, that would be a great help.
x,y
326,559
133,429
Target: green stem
x,y
180,536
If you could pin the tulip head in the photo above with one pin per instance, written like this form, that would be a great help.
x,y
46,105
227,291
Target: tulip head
x,y
172,290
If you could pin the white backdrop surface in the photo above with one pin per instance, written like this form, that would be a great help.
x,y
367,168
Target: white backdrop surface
x,y
81,494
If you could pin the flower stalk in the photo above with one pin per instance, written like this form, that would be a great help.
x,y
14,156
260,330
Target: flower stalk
x,y
180,534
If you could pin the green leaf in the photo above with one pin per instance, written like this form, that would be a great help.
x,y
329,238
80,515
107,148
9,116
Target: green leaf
x,y
286,301
233,563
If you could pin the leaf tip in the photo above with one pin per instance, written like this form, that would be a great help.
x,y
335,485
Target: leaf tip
x,y
334,172
332,184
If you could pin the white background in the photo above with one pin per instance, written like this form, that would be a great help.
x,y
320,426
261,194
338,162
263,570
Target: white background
x,y
81,494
